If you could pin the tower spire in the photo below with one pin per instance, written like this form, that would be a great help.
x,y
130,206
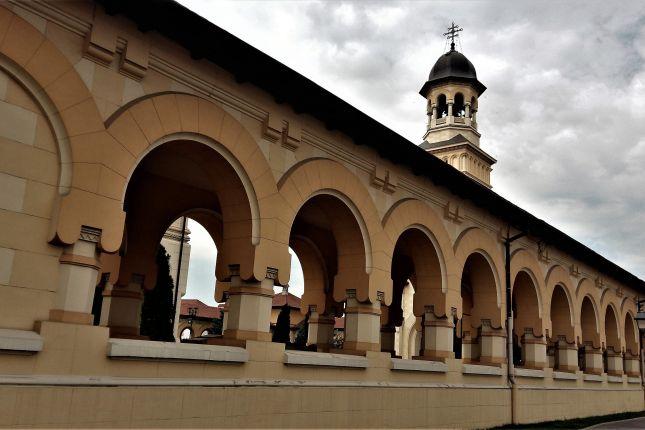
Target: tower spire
x,y
453,31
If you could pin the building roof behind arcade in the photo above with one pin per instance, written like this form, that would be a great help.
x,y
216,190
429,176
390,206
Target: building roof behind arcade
x,y
204,39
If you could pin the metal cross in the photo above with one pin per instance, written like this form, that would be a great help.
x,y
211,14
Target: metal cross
x,y
453,31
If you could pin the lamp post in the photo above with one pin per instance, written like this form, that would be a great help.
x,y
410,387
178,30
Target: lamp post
x,y
640,321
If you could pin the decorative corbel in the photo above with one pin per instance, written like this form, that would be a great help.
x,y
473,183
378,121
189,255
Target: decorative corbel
x,y
100,42
452,213
383,179
543,252
574,270
600,283
134,61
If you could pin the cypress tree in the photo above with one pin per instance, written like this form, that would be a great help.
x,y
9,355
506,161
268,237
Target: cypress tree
x,y
157,309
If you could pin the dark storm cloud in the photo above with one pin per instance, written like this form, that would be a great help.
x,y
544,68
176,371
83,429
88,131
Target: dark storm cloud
x,y
564,112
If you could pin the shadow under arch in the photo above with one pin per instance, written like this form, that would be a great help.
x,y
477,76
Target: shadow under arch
x,y
226,154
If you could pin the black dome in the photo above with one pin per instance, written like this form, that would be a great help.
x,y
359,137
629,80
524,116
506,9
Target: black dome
x,y
452,64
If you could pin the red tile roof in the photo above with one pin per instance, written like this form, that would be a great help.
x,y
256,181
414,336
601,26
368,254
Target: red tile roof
x,y
280,299
203,310
339,322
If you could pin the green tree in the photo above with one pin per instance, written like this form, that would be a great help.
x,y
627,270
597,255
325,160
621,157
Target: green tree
x,y
301,334
157,310
283,325
218,324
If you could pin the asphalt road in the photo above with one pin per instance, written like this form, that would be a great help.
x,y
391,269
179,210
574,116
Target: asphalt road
x,y
634,423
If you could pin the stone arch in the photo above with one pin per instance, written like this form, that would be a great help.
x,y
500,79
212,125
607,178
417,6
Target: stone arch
x,y
154,120
631,334
589,321
180,175
474,240
558,276
55,122
523,260
411,213
328,177
41,68
611,333
527,304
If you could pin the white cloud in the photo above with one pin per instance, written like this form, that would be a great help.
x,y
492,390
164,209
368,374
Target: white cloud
x,y
564,110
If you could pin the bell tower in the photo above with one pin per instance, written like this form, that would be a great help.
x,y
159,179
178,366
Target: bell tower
x,y
452,92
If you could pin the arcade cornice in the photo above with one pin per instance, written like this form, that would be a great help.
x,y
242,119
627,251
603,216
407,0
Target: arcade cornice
x,y
205,40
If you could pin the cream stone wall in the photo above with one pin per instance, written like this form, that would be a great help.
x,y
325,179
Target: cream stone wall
x,y
29,171
96,98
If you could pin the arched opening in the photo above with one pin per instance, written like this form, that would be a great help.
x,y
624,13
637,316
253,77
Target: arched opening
x,y
481,315
176,179
417,278
611,330
288,323
590,344
632,365
473,107
196,306
186,334
527,324
327,239
613,361
631,338
459,106
442,106
561,339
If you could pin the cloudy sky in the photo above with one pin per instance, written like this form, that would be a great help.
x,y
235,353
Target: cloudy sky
x,y
564,113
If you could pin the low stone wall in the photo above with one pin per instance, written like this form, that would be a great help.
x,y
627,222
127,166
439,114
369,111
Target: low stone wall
x,y
82,378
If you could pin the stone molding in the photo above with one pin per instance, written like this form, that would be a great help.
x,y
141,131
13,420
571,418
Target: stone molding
x,y
419,365
565,375
480,369
593,377
528,373
20,341
144,349
307,358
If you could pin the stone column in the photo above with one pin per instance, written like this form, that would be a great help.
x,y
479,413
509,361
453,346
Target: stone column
x,y
567,355
492,343
433,121
632,364
321,330
474,122
79,271
249,309
121,310
469,348
437,337
593,359
450,117
362,325
614,362
533,350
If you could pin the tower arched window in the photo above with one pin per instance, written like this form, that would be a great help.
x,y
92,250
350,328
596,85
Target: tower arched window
x,y
459,107
473,106
442,106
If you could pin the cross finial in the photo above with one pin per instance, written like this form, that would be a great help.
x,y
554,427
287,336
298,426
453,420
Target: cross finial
x,y
453,31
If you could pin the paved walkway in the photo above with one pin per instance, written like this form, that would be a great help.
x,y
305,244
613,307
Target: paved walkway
x,y
634,423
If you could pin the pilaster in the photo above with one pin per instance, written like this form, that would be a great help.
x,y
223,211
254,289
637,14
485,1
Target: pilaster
x,y
492,344
438,337
321,330
79,271
362,325
533,351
